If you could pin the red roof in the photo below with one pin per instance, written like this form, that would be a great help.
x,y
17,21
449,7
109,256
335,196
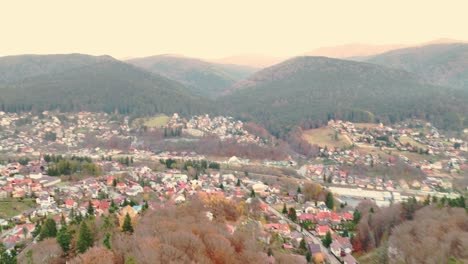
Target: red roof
x,y
323,229
347,216
306,217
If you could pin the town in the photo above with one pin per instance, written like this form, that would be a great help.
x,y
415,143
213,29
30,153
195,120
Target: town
x,y
66,167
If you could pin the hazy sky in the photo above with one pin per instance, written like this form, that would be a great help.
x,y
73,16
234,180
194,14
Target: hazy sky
x,y
217,28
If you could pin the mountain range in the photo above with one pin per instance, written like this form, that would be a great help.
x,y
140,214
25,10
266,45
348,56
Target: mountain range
x,y
439,64
428,82
201,77
78,82
320,88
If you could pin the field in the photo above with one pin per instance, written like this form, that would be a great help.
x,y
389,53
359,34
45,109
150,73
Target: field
x,y
404,140
365,125
12,207
155,121
326,136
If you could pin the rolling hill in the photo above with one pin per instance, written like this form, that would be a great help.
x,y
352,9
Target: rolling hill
x,y
203,78
81,82
251,60
352,50
439,64
315,89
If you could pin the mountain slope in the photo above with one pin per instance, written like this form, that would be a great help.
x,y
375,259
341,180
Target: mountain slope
x,y
250,60
441,64
203,78
94,84
352,50
15,68
318,88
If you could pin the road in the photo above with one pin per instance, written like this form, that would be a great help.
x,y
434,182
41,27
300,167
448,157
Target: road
x,y
331,258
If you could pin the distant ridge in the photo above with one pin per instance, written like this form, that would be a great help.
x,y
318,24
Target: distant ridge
x,y
316,89
201,77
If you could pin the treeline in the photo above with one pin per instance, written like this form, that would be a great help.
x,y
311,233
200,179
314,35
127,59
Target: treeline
x,y
168,234
59,165
374,226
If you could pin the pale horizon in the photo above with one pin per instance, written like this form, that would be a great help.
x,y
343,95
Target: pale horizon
x,y
218,29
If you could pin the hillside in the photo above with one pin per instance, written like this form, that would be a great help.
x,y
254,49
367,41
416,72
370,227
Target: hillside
x,y
250,60
203,78
92,84
352,50
15,68
440,64
316,89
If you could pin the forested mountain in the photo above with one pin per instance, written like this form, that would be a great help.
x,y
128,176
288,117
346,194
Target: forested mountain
x,y
440,64
16,68
81,82
313,89
203,78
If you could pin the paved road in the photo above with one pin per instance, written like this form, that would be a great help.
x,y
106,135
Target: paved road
x,y
331,258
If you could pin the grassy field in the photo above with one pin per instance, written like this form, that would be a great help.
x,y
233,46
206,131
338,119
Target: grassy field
x,y
325,136
12,207
365,125
155,121
404,140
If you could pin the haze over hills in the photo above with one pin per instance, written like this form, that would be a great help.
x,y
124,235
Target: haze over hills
x,y
352,50
82,82
203,78
439,64
319,88
251,60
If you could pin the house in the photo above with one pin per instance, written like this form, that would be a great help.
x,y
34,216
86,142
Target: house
x,y
45,201
69,203
322,230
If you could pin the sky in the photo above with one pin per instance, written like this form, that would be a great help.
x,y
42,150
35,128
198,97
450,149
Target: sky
x,y
217,28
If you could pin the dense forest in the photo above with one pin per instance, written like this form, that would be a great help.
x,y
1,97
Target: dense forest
x,y
317,89
107,85
302,92
201,77
439,64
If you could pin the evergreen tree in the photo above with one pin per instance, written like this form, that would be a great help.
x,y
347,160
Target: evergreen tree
x,y
329,200
63,222
252,193
49,229
292,214
302,244
127,224
299,189
327,240
114,183
7,257
90,210
285,210
106,241
146,206
221,186
64,238
308,257
85,238
238,183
